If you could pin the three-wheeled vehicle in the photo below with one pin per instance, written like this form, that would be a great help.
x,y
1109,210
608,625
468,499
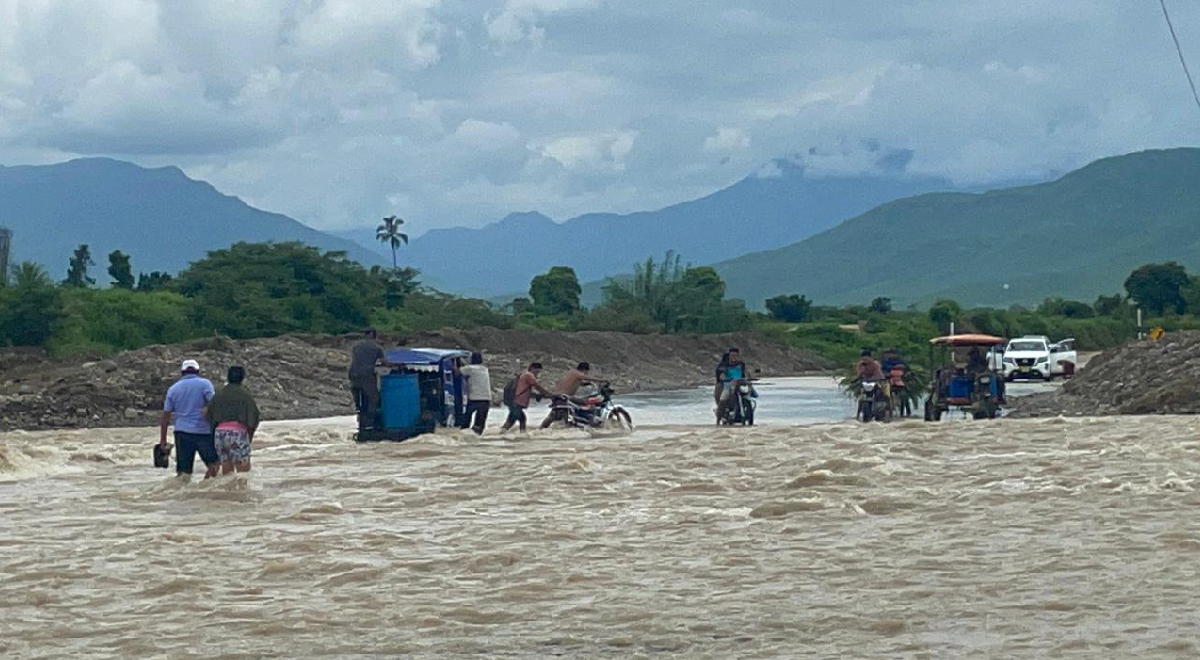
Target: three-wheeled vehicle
x,y
416,397
963,377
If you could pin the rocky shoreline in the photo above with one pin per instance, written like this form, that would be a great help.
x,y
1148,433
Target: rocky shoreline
x,y
304,376
1140,378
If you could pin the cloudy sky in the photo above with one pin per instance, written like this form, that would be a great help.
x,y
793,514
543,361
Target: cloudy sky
x,y
455,112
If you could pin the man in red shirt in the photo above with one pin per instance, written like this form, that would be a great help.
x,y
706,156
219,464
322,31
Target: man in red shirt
x,y
527,384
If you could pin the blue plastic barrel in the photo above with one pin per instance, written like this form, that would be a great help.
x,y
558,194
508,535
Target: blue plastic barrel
x,y
960,387
399,401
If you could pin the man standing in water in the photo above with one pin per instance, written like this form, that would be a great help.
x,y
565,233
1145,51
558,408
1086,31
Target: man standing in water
x,y
364,382
527,383
185,405
234,418
478,393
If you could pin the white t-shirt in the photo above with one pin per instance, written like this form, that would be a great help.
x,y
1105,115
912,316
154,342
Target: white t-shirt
x,y
479,382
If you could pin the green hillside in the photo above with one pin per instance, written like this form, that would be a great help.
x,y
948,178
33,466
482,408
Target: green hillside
x,y
1076,237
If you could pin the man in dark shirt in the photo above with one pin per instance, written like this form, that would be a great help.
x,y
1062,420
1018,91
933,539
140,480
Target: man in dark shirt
x,y
364,382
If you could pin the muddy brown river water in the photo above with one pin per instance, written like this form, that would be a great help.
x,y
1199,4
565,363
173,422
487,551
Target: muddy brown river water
x,y
998,539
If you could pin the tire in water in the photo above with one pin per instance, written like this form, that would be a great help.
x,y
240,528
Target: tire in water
x,y
620,419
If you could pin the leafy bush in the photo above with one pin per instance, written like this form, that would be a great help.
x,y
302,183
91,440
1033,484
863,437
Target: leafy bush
x,y
263,289
30,309
106,320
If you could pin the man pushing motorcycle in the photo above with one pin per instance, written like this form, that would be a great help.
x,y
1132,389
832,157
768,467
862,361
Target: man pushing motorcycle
x,y
568,386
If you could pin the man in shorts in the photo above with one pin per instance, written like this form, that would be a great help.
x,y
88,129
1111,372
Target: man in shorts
x,y
233,415
184,405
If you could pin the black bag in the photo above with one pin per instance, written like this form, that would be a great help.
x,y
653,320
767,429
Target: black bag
x,y
509,397
162,456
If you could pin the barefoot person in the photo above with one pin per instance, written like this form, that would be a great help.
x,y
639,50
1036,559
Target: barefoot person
x,y
184,406
233,415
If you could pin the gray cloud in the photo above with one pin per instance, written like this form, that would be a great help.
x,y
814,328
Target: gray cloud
x,y
338,112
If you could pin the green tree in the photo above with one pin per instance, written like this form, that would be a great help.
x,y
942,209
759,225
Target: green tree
x,y
943,313
520,305
120,270
881,305
397,284
389,232
793,308
649,288
1108,305
155,281
78,267
1072,309
696,303
30,308
264,289
1156,287
556,291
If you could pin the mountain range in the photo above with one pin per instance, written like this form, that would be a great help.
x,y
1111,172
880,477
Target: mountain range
x,y
781,204
1078,236
781,232
160,217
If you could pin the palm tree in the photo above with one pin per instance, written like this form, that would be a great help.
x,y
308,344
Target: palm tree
x,y
389,232
28,274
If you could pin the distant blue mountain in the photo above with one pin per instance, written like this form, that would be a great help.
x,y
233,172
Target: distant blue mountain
x,y
757,213
160,217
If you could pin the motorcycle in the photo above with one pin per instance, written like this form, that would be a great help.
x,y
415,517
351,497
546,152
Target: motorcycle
x,y
594,412
873,404
740,406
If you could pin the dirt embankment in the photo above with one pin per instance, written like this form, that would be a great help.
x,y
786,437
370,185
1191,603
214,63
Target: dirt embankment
x,y
1139,378
301,376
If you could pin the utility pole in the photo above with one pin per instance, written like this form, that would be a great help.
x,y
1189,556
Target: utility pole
x,y
5,246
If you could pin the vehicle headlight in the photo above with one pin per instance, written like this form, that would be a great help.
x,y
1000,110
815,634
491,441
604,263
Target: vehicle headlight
x,y
1009,361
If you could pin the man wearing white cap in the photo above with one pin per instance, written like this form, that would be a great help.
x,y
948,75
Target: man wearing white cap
x,y
185,404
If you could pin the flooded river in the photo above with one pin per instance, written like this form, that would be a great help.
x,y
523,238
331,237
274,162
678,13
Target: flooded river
x,y
999,539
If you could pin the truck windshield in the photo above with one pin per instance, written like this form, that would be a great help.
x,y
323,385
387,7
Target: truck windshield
x,y
1026,346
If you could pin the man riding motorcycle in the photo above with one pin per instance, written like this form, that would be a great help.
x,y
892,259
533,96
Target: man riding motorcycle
x,y
730,370
869,371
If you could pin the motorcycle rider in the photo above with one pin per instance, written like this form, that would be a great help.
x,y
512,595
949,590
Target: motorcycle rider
x,y
730,369
868,368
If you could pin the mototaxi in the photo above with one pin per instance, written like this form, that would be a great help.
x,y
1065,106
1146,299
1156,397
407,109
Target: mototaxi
x,y
416,397
975,388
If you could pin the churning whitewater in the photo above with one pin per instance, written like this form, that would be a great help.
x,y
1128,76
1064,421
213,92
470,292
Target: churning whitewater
x,y
1003,538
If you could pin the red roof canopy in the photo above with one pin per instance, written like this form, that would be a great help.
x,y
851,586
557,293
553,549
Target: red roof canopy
x,y
967,340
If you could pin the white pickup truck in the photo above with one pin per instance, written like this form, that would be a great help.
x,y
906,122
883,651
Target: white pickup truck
x,y
1034,356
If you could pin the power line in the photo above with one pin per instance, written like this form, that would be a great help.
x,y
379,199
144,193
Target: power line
x,y
1171,27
